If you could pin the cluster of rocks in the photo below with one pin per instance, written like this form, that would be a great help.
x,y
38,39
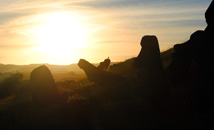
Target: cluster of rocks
x,y
191,67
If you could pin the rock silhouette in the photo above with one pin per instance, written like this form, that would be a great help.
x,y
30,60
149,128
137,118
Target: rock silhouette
x,y
149,57
105,64
98,75
210,19
44,91
192,68
189,73
152,81
148,61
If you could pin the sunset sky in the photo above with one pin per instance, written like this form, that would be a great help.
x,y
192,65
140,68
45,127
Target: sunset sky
x,y
63,31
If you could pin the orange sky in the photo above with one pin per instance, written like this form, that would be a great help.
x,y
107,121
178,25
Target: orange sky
x,y
62,32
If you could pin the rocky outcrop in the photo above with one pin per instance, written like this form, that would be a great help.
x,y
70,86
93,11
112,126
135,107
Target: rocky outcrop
x,y
105,64
192,67
44,91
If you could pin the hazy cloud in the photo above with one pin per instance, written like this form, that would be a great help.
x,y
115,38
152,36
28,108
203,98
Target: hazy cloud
x,y
7,16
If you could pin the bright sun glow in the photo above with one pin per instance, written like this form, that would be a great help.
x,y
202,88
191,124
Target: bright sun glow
x,y
60,35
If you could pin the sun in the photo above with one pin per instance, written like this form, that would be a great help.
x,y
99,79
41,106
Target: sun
x,y
60,35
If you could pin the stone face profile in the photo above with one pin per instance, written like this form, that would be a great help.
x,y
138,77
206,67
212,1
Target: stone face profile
x,y
149,57
89,69
152,81
98,75
192,68
105,64
43,86
210,18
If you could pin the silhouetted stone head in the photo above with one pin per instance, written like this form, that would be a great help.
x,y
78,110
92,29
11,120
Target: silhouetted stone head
x,y
88,68
104,65
97,75
43,86
149,42
185,51
198,38
149,57
85,65
209,15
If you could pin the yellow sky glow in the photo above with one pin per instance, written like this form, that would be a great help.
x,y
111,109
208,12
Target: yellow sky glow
x,y
62,32
60,36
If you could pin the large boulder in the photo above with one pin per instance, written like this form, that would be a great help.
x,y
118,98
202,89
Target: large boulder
x,y
44,90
